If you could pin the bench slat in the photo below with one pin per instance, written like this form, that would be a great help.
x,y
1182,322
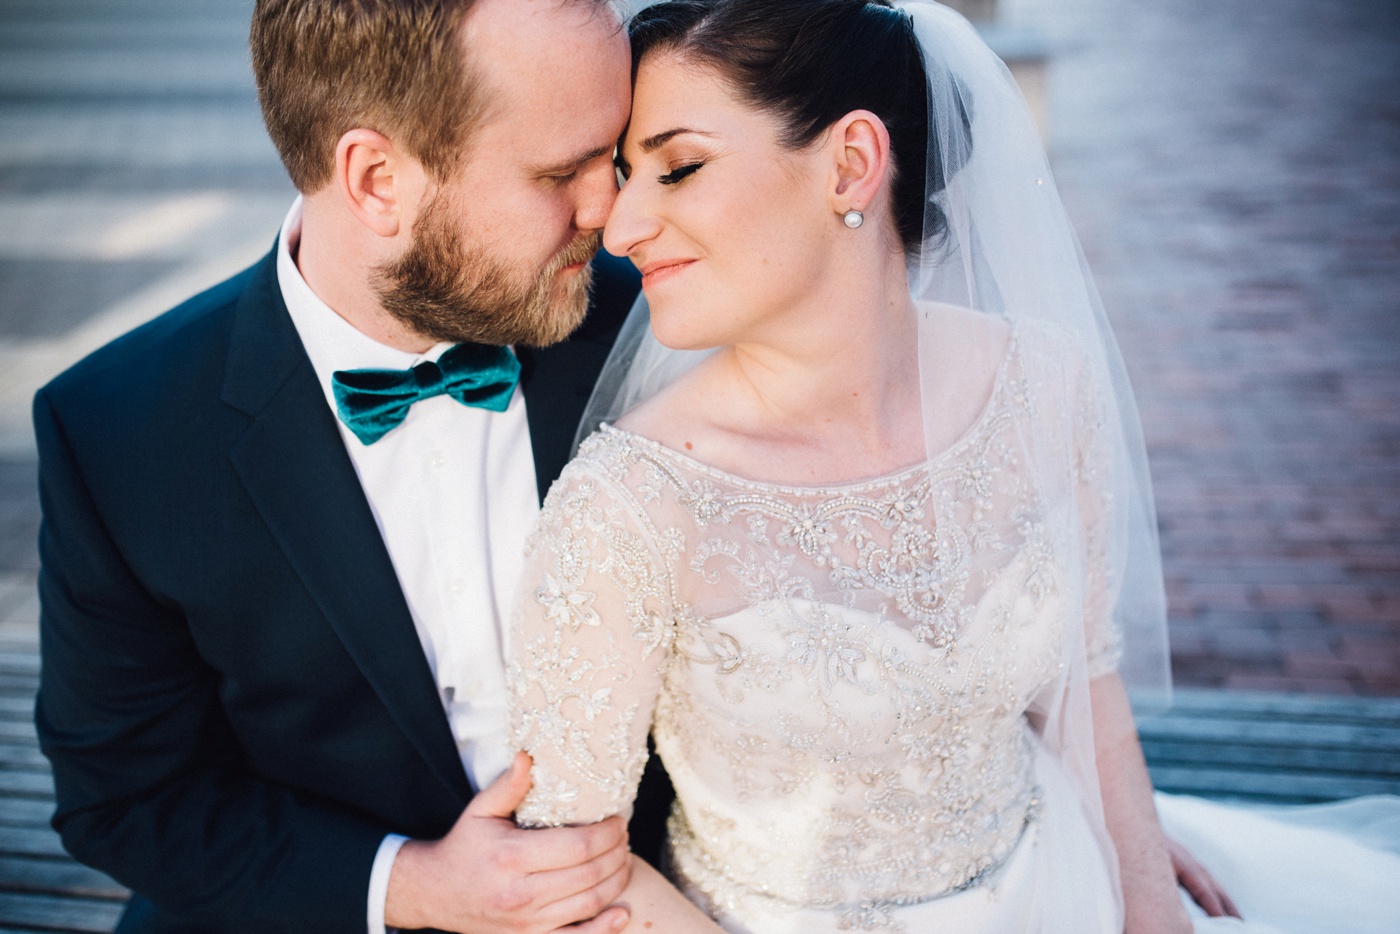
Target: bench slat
x,y
59,913
17,707
22,756
25,812
1273,758
1196,702
56,877
26,783
1243,784
1230,731
30,841
19,663
13,730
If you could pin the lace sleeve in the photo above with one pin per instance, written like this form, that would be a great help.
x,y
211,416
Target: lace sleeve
x,y
586,651
1101,537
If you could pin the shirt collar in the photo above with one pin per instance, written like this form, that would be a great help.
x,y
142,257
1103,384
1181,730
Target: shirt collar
x,y
331,342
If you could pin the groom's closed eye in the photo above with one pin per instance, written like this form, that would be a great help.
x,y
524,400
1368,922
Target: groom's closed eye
x,y
565,171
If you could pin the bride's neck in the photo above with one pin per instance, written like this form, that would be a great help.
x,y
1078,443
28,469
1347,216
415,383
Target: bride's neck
x,y
843,366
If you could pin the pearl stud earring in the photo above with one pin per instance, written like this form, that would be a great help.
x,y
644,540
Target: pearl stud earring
x,y
853,219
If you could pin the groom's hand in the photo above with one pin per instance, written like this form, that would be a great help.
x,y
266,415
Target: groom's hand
x,y
488,876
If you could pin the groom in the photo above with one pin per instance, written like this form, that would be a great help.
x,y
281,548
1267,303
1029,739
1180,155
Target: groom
x,y
283,522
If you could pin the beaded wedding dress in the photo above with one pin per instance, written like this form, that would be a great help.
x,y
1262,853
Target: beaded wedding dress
x,y
841,681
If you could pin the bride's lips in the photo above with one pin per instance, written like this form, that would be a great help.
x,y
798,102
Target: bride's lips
x,y
662,269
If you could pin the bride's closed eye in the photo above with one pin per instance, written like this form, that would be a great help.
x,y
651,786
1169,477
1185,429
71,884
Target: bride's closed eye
x,y
680,173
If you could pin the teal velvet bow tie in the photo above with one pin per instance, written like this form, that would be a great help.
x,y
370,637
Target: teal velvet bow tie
x,y
373,403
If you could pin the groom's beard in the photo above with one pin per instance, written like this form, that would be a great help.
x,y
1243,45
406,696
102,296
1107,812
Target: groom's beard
x,y
444,289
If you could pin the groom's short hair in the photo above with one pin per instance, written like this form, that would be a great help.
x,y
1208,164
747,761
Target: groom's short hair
x,y
325,67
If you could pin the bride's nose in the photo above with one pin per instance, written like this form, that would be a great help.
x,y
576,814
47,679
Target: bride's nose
x,y
631,223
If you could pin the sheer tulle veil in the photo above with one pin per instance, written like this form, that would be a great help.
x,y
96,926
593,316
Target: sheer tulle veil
x,y
998,240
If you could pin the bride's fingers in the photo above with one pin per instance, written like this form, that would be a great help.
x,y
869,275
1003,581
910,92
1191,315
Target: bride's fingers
x,y
1226,902
1203,895
1199,883
1208,893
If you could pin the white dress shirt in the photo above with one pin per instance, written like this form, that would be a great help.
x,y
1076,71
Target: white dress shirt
x,y
453,491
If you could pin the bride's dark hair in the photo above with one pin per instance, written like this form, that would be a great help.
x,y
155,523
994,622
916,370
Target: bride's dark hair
x,y
811,62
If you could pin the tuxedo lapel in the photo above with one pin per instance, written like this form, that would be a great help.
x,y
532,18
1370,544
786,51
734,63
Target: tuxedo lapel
x,y
557,382
295,468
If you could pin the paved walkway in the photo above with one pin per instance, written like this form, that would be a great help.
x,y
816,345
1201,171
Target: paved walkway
x,y
1235,172
1232,166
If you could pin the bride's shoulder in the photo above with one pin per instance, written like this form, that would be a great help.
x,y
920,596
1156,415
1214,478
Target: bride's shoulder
x,y
967,331
965,351
988,338
966,321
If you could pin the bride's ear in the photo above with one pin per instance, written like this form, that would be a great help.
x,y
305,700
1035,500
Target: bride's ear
x,y
860,150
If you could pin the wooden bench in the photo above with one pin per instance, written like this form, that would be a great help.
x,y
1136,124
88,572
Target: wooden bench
x,y
1263,747
1274,748
41,887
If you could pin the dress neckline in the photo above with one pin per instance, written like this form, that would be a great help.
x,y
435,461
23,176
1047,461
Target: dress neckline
x,y
851,486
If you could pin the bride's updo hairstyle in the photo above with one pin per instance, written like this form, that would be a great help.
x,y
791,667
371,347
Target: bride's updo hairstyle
x,y
808,63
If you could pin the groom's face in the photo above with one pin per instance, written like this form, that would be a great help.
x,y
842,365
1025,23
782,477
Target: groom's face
x,y
500,247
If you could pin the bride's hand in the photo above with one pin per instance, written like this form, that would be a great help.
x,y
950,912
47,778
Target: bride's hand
x,y
1200,884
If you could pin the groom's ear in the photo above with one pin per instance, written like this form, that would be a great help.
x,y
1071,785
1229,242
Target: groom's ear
x,y
860,151
380,184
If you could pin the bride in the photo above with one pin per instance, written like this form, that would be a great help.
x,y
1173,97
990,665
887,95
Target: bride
x,y
865,539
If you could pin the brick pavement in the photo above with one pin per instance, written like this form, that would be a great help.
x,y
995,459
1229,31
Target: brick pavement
x,y
1232,168
1235,171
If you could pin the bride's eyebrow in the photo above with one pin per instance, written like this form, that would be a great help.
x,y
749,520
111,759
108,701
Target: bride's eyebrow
x,y
653,143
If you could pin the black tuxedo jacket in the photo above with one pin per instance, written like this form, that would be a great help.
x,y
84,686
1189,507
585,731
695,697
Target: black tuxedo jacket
x,y
233,696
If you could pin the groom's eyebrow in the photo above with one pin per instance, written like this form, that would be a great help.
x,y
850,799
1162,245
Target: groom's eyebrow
x,y
653,143
573,162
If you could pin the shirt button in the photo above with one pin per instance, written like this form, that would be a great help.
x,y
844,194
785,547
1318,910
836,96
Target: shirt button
x,y
437,460
458,585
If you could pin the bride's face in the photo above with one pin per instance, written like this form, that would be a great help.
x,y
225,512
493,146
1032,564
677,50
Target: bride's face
x,y
728,227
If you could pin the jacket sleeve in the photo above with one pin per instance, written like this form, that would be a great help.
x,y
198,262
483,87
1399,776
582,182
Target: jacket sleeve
x,y
147,772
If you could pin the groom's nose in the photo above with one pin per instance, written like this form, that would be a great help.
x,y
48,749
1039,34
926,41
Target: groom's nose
x,y
597,189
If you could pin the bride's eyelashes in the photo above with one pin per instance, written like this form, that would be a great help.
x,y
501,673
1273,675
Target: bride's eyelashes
x,y
675,176
680,173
